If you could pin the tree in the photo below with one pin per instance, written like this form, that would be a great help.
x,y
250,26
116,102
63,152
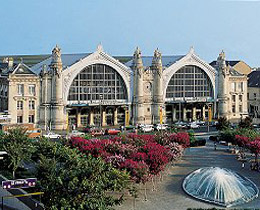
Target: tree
x,y
18,147
222,124
72,180
246,123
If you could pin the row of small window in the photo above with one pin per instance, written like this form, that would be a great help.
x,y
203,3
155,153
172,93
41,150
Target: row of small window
x,y
187,94
101,90
239,107
30,119
20,105
187,88
97,83
20,89
189,82
191,75
234,98
88,97
237,86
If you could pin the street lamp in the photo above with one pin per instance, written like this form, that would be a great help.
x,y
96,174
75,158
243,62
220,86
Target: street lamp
x,y
209,107
100,109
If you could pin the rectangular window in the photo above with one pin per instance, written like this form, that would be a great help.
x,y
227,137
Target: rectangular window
x,y
233,86
32,90
19,105
240,108
240,98
254,96
20,89
31,105
233,98
31,118
19,119
233,108
242,86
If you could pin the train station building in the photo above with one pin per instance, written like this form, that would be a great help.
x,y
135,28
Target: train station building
x,y
98,89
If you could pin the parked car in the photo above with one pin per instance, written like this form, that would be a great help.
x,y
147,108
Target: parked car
x,y
200,123
147,128
193,125
160,127
76,133
113,131
181,124
97,132
52,135
34,134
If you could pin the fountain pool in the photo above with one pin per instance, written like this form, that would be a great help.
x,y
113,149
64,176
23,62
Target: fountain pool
x,y
220,186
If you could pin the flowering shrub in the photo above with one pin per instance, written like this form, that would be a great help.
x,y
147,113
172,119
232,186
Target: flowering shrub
x,y
241,141
140,155
157,157
254,146
182,138
138,170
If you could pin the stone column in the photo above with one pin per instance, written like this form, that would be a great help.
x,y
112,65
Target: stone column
x,y
194,110
104,118
184,117
91,117
115,116
203,113
78,118
173,114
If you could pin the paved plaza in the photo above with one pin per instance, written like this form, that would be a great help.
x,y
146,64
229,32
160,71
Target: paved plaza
x,y
169,193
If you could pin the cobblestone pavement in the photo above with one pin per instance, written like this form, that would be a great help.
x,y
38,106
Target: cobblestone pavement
x,y
169,193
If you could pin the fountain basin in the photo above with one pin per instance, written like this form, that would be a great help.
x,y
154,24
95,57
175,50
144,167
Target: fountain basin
x,y
220,186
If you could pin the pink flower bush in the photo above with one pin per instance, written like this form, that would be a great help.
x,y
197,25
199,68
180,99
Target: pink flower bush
x,y
181,138
254,146
138,170
141,155
241,141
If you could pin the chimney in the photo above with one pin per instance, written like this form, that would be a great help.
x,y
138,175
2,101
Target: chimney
x,y
10,62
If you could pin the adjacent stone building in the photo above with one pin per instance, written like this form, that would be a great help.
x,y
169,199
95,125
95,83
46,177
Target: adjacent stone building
x,y
254,95
97,89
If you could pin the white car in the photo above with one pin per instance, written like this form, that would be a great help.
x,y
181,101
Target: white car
x,y
52,135
147,128
161,127
76,133
193,125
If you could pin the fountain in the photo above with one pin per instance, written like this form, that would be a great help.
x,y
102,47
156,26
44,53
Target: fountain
x,y
220,186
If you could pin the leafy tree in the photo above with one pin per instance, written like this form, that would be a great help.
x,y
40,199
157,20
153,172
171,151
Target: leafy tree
x,y
222,124
72,180
18,147
246,123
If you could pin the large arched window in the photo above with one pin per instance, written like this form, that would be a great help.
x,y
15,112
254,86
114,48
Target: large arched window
x,y
189,81
97,82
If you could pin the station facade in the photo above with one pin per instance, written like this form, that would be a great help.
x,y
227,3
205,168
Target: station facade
x,y
97,89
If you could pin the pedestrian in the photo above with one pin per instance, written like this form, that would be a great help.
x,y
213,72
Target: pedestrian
x,y
215,145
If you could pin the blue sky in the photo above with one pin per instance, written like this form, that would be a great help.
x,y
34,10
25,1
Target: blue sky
x,y
35,26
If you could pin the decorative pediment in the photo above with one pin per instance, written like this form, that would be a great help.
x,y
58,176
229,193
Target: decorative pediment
x,y
21,68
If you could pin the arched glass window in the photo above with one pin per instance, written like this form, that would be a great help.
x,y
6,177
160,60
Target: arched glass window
x,y
189,81
97,82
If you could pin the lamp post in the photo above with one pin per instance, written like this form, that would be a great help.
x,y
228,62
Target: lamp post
x,y
100,109
209,107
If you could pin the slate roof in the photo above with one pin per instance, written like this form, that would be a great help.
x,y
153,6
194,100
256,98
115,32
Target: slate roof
x,y
67,60
166,60
254,79
231,63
